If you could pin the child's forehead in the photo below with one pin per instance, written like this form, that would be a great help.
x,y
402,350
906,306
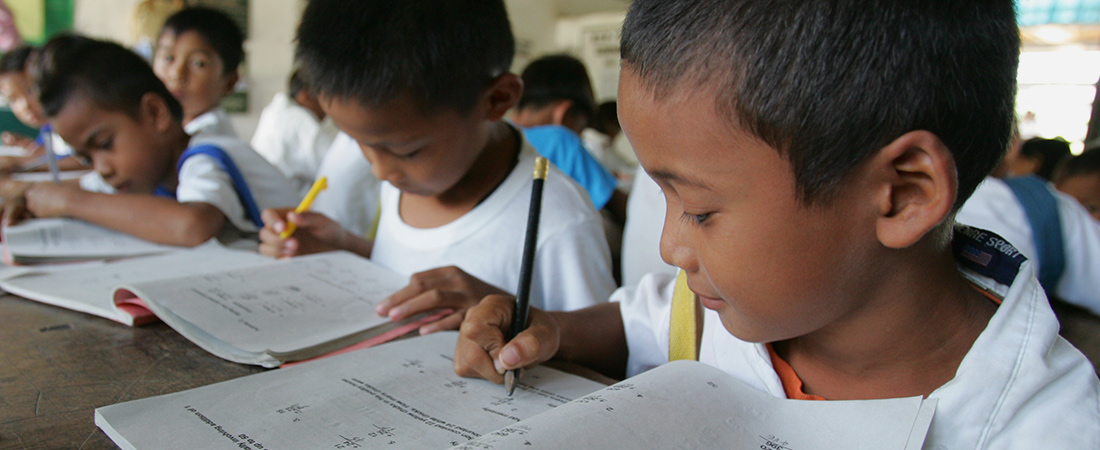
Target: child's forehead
x,y
191,38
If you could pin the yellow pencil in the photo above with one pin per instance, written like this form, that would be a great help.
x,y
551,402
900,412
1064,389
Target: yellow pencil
x,y
318,186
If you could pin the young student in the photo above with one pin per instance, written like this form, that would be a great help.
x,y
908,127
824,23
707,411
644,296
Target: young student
x,y
810,188
16,86
1079,176
151,179
293,134
555,107
1039,157
198,55
422,86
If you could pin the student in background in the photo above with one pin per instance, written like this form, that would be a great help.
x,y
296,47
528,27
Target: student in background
x,y
1040,157
599,139
1079,176
198,55
810,197
16,86
293,135
151,179
422,86
556,106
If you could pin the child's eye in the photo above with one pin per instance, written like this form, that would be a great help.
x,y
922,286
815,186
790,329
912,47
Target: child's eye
x,y
696,219
409,155
198,64
104,144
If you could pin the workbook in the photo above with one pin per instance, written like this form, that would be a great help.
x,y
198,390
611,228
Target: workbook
x,y
238,305
405,394
62,240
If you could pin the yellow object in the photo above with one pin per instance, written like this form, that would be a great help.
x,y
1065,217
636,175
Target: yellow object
x,y
683,333
318,186
541,166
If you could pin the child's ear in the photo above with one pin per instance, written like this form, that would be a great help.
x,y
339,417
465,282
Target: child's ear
x,y
503,95
155,109
916,184
231,80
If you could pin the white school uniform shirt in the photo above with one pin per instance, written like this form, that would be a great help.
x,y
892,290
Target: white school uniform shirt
x,y
572,267
202,179
212,123
292,139
1021,386
352,195
994,207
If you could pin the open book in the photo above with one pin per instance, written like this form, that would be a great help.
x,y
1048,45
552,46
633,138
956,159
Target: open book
x,y
405,395
240,306
61,240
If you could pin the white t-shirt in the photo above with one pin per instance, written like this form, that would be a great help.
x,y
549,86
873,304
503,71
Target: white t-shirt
x,y
202,179
645,218
352,195
291,138
1020,385
572,262
212,123
995,208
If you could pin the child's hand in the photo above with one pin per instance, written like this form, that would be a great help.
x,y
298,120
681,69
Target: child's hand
x,y
48,199
14,212
9,138
315,233
481,350
445,287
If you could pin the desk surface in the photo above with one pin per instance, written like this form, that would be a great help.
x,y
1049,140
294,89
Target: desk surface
x,y
57,366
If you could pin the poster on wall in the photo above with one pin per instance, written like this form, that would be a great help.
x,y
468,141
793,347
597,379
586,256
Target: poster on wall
x,y
600,53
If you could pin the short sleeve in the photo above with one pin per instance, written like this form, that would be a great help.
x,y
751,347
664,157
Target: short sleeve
x,y
203,180
645,310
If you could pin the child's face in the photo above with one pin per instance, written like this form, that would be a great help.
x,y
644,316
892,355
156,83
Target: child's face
x,y
1086,189
424,155
16,87
770,266
130,154
193,72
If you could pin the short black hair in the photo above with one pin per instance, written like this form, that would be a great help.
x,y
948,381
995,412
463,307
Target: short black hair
x,y
295,84
15,60
607,117
829,83
111,76
1087,163
554,78
1049,152
441,52
220,31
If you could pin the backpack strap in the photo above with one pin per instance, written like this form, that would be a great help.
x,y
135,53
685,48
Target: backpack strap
x,y
1041,207
252,210
684,325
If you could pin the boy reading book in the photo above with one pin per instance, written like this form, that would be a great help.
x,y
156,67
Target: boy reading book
x,y
812,156
151,179
197,57
17,88
422,86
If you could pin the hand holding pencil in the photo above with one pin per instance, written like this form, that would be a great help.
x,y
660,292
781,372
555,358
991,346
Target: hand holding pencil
x,y
526,271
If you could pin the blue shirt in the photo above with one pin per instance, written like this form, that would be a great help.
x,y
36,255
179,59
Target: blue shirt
x,y
565,149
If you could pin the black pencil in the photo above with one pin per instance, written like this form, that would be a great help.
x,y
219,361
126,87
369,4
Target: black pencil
x,y
523,292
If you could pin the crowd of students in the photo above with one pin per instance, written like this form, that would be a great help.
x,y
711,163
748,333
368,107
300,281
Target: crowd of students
x,y
807,171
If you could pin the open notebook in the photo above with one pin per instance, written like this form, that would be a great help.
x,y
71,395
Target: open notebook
x,y
405,395
63,240
238,305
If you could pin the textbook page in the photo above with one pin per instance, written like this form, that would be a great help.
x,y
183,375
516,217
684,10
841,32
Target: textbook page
x,y
89,288
56,240
687,404
403,394
285,310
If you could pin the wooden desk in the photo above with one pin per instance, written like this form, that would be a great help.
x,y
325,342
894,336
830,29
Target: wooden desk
x,y
57,366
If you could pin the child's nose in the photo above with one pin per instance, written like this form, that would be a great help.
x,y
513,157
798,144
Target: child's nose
x,y
673,249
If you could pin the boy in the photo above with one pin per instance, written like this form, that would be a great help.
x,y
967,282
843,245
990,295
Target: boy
x,y
293,134
1079,176
198,54
812,155
422,86
16,86
171,188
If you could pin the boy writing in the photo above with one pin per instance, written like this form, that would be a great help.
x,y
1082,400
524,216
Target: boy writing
x,y
197,57
421,86
812,155
151,179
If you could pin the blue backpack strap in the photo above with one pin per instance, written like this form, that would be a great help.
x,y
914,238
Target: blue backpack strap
x,y
1041,207
239,183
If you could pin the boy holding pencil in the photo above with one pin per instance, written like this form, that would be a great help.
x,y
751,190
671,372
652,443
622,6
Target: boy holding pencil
x,y
422,86
812,157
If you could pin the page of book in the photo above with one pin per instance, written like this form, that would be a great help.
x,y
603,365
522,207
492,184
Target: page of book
x,y
43,240
45,177
90,288
286,310
687,404
403,394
